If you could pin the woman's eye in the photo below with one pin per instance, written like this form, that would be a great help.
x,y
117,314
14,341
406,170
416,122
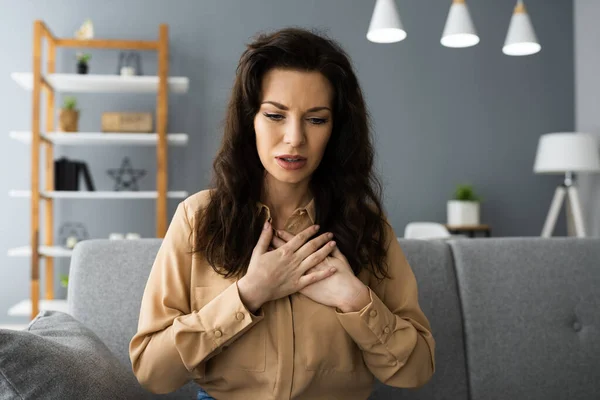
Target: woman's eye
x,y
274,117
317,121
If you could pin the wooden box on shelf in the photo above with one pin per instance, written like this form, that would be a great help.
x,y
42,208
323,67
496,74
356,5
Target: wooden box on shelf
x,y
129,122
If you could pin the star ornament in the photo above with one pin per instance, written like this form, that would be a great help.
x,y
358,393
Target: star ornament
x,y
126,178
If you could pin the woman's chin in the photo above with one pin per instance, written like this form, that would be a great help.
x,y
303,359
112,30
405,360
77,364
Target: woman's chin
x,y
289,177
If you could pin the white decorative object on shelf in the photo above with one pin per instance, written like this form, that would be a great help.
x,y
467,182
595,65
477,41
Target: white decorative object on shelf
x,y
50,251
98,138
86,30
76,83
23,308
95,195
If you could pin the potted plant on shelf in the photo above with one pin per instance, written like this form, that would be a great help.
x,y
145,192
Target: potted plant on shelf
x,y
82,62
64,280
464,208
69,115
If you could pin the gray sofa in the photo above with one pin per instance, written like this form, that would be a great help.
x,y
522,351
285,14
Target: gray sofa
x,y
513,318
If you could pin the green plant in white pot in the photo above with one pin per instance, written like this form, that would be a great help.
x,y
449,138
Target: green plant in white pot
x,y
464,208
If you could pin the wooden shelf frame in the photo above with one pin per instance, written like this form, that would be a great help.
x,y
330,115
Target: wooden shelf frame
x,y
42,35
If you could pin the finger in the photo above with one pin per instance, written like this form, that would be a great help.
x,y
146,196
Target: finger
x,y
314,245
314,277
262,246
277,242
317,257
285,235
338,254
300,239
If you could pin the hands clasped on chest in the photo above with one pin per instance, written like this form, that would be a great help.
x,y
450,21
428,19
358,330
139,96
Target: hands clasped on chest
x,y
316,268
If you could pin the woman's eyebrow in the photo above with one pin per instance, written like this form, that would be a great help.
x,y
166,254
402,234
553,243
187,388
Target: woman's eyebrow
x,y
282,107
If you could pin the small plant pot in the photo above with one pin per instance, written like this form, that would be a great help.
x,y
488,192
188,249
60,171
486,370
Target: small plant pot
x,y
82,68
68,120
462,213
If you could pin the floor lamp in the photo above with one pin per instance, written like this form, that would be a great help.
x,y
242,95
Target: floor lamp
x,y
566,153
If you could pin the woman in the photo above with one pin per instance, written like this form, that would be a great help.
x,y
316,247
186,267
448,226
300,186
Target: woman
x,y
248,296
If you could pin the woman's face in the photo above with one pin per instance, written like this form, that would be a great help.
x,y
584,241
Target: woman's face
x,y
293,124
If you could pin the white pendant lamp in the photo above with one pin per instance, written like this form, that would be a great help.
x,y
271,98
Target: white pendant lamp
x,y
459,30
520,39
385,26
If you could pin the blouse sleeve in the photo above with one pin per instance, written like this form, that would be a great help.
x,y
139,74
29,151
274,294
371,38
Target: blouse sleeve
x,y
173,343
392,331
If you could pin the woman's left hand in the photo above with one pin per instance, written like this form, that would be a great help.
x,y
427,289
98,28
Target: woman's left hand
x,y
342,290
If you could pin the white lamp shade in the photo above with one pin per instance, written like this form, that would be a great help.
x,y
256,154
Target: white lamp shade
x,y
459,30
385,26
562,152
520,38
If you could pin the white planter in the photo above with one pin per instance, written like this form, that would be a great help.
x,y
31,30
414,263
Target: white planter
x,y
462,212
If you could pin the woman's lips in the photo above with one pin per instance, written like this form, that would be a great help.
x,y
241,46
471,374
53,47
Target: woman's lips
x,y
286,163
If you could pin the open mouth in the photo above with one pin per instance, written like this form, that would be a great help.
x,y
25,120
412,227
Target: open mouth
x,y
291,162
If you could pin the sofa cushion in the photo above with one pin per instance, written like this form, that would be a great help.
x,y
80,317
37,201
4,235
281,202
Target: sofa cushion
x,y
433,266
57,357
531,316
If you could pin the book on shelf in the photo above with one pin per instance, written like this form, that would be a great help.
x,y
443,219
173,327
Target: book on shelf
x,y
67,174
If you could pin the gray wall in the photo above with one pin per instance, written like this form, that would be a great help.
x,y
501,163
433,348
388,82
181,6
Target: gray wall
x,y
587,100
441,116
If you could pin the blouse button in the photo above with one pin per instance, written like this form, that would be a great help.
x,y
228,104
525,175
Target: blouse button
x,y
386,330
218,333
239,316
373,313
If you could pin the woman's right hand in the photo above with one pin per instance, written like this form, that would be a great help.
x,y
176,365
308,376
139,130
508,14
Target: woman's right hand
x,y
275,274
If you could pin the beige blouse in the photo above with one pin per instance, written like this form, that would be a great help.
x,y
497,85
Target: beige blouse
x,y
193,326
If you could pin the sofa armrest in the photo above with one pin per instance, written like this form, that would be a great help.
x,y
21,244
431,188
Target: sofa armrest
x,y
57,357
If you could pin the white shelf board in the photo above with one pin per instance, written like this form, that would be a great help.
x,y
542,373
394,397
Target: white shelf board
x,y
14,327
90,83
50,251
84,195
23,308
101,138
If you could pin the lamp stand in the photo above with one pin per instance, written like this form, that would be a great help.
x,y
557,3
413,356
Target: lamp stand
x,y
568,187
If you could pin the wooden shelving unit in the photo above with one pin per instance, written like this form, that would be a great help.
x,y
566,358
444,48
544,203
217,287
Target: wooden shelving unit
x,y
40,139
100,139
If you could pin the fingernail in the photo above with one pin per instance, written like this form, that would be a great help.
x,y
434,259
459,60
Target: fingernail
x,y
317,227
332,270
266,226
332,244
330,235
279,233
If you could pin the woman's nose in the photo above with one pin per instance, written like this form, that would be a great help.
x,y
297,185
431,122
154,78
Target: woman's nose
x,y
294,134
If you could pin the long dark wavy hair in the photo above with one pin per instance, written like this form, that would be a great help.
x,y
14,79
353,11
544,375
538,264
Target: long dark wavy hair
x,y
346,191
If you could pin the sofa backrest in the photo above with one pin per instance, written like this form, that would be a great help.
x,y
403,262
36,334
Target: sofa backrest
x,y
107,281
532,316
106,284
